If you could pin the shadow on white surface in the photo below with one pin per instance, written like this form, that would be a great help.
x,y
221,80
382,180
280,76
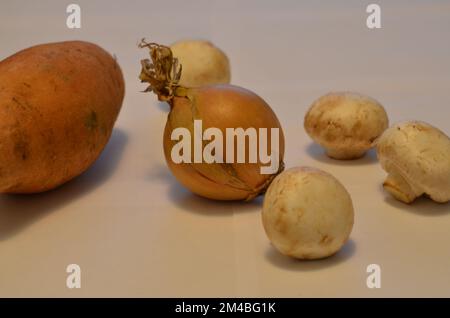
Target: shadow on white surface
x,y
17,211
421,206
318,153
190,202
163,106
193,203
288,263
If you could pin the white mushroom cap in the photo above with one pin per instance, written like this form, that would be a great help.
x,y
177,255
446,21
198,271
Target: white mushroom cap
x,y
202,63
416,157
307,213
345,124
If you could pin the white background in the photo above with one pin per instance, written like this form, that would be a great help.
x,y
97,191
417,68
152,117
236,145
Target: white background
x,y
136,232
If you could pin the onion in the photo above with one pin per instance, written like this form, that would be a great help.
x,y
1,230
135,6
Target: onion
x,y
203,63
219,106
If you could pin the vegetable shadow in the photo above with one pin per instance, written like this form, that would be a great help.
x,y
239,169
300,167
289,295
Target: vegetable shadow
x,y
163,106
422,206
291,264
192,203
17,211
195,204
318,153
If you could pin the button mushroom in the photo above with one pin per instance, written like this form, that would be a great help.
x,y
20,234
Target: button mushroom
x,y
345,124
202,62
307,213
416,157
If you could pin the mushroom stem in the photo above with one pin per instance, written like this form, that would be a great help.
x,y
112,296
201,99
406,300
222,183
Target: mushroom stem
x,y
396,185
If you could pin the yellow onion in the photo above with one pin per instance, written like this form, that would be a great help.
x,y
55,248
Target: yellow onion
x,y
220,106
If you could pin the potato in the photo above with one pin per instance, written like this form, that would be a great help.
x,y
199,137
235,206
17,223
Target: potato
x,y
58,105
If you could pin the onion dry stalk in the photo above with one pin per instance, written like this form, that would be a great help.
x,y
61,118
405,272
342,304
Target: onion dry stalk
x,y
218,106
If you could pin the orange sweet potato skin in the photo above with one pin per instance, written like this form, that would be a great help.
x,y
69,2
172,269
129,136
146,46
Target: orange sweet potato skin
x,y
58,106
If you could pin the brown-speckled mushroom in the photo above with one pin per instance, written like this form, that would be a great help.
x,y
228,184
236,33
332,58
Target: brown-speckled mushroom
x,y
307,213
345,124
416,157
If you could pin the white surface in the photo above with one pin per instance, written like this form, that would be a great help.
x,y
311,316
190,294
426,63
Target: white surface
x,y
135,232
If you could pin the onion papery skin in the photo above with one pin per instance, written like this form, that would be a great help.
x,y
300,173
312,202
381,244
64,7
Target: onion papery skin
x,y
221,106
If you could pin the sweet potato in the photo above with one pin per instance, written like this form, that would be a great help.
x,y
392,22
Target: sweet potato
x,y
58,106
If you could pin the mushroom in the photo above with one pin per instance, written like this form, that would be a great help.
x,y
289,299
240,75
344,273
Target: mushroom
x,y
307,213
202,62
345,124
416,157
